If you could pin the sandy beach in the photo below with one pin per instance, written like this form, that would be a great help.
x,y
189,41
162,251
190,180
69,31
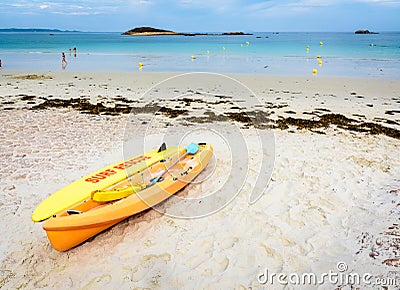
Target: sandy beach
x,y
334,193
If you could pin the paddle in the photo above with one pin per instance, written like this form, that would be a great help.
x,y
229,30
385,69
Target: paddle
x,y
191,149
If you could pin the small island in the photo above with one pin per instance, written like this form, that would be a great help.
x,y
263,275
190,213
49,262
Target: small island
x,y
236,33
360,31
150,31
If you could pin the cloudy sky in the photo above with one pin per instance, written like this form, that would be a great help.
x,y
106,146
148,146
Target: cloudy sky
x,y
203,15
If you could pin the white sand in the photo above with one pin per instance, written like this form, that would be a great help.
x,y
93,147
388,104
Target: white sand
x,y
332,197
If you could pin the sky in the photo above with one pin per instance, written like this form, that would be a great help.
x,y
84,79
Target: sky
x,y
203,15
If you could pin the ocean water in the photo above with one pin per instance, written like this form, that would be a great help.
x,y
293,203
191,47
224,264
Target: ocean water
x,y
342,54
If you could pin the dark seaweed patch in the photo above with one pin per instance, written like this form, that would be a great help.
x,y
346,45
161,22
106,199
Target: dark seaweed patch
x,y
27,98
392,112
33,77
256,118
8,103
391,122
189,101
270,105
341,122
84,106
322,110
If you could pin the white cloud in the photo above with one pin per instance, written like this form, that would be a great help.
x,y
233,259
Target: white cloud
x,y
18,5
260,6
318,3
139,3
393,3
43,6
77,13
219,6
289,7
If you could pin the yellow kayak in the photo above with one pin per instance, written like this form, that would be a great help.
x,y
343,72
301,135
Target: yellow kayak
x,y
160,181
97,181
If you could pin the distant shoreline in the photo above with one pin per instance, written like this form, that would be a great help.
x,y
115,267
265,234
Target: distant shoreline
x,y
185,34
34,30
40,30
151,31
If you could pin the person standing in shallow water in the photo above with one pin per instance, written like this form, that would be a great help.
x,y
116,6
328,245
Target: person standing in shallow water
x,y
63,61
74,51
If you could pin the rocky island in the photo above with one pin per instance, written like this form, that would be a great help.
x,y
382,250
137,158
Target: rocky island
x,y
150,31
360,31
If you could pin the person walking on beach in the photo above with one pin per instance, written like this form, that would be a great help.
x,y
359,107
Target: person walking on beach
x,y
74,51
0,63
63,61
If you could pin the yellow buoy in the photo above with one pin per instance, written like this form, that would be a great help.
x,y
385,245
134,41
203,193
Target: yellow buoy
x,y
193,58
320,62
140,65
247,43
318,57
314,71
321,43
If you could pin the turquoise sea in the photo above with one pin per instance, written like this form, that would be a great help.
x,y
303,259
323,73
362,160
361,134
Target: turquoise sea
x,y
342,54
